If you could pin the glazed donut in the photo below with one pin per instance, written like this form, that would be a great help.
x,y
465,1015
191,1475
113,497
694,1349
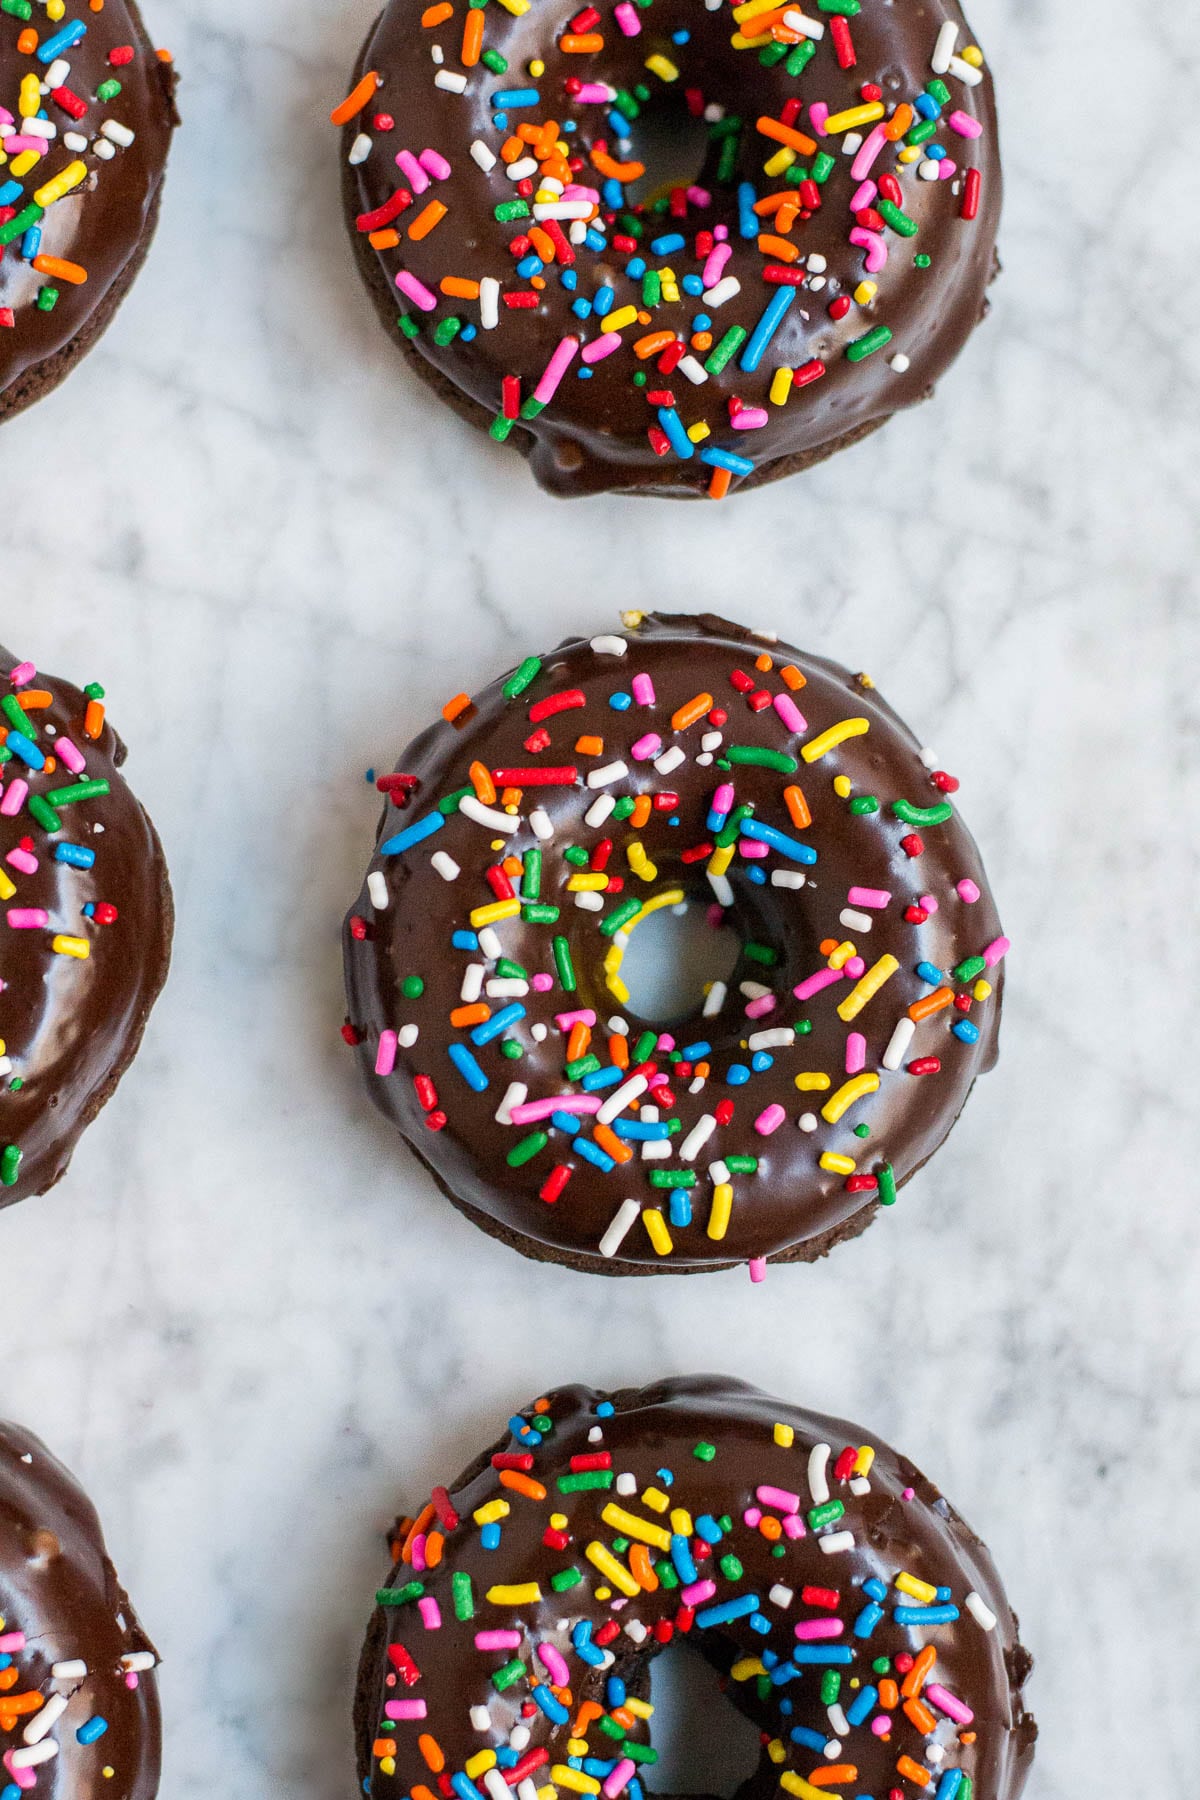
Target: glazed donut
x,y
86,115
856,1620
806,256
533,829
87,921
79,1712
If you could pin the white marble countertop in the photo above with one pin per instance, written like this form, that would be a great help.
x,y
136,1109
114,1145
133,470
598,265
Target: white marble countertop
x,y
245,1317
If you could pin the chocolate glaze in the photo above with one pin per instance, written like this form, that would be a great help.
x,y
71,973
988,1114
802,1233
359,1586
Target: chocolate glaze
x,y
105,223
71,1027
792,1206
900,1524
593,436
60,1593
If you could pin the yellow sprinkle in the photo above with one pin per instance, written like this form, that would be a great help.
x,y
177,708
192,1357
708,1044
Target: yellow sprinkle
x,y
71,946
812,1082
837,734
781,386
746,1668
521,1593
639,862
497,909
843,787
867,988
537,68
516,7
864,1459
752,10
655,1499
7,888
783,159
669,897
559,1521
387,1765
27,160
656,1230
575,1783
803,1790
665,69
722,1206
30,103
838,1165
699,431
720,860
603,1559
854,116
909,154
617,321
842,955
785,1436
847,1094
494,1509
981,990
60,184
777,1750
629,1525
748,43
973,55
577,1747
681,1522
914,1586
865,292
631,620
586,884
641,1709
481,1761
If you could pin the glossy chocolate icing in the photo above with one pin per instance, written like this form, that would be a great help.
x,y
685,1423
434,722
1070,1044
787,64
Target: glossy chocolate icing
x,y
900,1526
61,1604
103,224
593,434
792,1204
70,1026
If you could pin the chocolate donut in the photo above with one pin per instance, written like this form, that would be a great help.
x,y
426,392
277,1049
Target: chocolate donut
x,y
86,115
78,1704
87,921
528,833
850,1612
804,254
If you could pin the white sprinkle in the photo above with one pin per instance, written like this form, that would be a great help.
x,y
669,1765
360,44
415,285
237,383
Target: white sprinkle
x,y
445,865
930,757
929,170
966,72
711,740
605,776
520,171
577,232
860,1485
437,54
943,48
35,1754
563,209
45,129
496,1785
898,1043
539,1033
812,28
40,1724
75,140
901,363
56,74
621,1098
857,921
481,1718
836,1541
609,646
670,759
619,1230
377,889
453,84
832,1747
489,943
599,810
360,149
656,1150
503,822
718,1172
807,1121
852,143
589,901
103,149
526,1789
774,1039
721,888
484,157
780,1596
138,1661
840,1726
697,1137
76,1669
714,1000
519,1736
816,283
817,264
472,983
407,1036
695,371
636,1631
503,988
540,825
626,1483
787,878
980,1611
818,1485
753,990
723,291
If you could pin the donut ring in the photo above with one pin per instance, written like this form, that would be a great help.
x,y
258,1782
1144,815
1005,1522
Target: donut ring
x,y
88,916
857,1620
532,829
79,1713
810,258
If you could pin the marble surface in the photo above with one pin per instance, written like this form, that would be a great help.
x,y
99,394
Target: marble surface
x,y
245,1317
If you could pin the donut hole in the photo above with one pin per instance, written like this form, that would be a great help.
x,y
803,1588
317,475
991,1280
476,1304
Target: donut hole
x,y
705,1745
671,961
673,146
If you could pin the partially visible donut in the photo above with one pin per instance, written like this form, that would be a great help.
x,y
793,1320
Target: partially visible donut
x,y
856,1619
85,921
807,253
682,761
79,1714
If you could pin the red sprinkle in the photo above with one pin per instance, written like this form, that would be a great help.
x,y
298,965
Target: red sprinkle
x,y
970,199
566,700
925,1065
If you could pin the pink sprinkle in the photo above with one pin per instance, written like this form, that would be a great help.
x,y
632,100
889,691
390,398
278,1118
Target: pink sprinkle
x,y
431,1616
908,1493
497,1640
14,797
627,19
752,847
749,418
404,1709
697,1592
385,1056
864,195
793,1526
864,160
14,146
949,1703
541,984
854,966
554,1664
555,369
24,672
529,1110
418,180
24,1778
812,984
585,1016
881,1724
929,903
752,1517
601,347
947,169
23,860
758,1009
856,1053
646,747
778,1498
996,951
416,290
873,897
724,798
594,93
435,162
12,1641
70,756
873,244
27,918
967,891
619,1780
721,233
666,1043
808,1629
790,713
964,124
418,1553
818,112
717,257
698,196
643,690
770,1119
758,1268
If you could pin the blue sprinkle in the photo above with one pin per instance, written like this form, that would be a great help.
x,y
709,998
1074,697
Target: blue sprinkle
x,y
929,972
943,1593
769,1659
467,333
635,268
679,1207
553,1708
727,1611
603,301
506,1756
727,459
525,1432
465,940
927,106
773,315
715,819
530,265
489,1535
10,191
756,875
27,751
965,1032
694,1052
875,1589
811,1740
702,321
949,1785
682,36
737,1075
583,373
786,1671
595,240
867,1620
467,1067
860,1707
778,840
605,1410
692,284
498,1023
464,1787
500,120
569,278
581,1637
77,856
666,1476
620,702
569,125
412,834
509,97
681,1556
935,152
925,1615
708,1530
62,40
668,244
565,1121
760,1623
594,1154
760,1062
822,1654
602,1078
747,217
619,125
31,243
678,438
613,194
639,1131
615,1691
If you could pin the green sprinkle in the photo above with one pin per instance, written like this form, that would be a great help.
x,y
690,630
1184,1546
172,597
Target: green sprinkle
x,y
531,408
644,1046
940,92
17,717
412,987
667,1573
898,220
800,57
863,804
730,1568
742,1165
772,54
969,969
651,288
543,1425
620,915
726,165
508,210
505,1677
704,1452
825,1515
639,378
450,803
640,1753
464,1598
540,912
412,1590
761,953
583,1480
626,104
521,677
866,346
921,134
564,965
447,330
531,875
10,1163
510,1048
566,1578
20,9
610,1728
908,814
750,756
500,428
831,1687
623,808
576,855
29,215
411,329
583,1065
823,167
728,348
886,1178
860,1131
108,90
506,967
79,790
527,1149
849,9
493,60
922,260
673,1178
802,1027
44,815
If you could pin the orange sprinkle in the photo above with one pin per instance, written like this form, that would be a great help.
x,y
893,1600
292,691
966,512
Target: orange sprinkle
x,y
421,1523
387,239
586,43
383,1747
456,285
913,1771
920,1672
93,719
899,123
932,1003
462,1016
641,812
589,746
430,215
511,797
542,243
577,1043
833,1774
455,708
433,1549
889,1694
34,699
421,1792
702,340
472,42
642,1569
617,1148
27,42
792,676
771,203
542,1405
921,1716
513,866
512,149
797,807
618,1050
787,215
356,99
778,247
436,15
480,777
624,1717
703,1070
688,714
651,344
522,1484
770,1528
431,1750
71,272
607,165
588,1711
718,487
783,134
828,946
9,1678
